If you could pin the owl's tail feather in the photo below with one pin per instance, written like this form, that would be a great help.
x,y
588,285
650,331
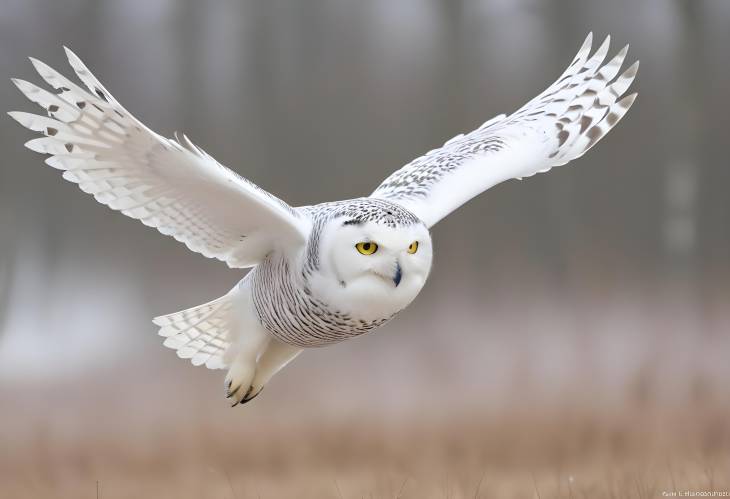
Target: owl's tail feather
x,y
226,334
201,333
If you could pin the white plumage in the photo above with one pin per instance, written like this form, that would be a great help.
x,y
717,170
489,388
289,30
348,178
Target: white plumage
x,y
199,333
171,185
322,273
559,125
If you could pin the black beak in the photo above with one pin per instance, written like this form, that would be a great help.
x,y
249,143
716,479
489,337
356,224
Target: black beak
x,y
398,274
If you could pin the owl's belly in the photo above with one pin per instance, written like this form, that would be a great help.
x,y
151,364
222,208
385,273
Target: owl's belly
x,y
291,313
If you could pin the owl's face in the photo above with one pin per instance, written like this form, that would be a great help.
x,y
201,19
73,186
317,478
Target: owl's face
x,y
371,270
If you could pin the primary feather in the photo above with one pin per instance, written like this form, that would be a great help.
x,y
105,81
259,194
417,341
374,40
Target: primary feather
x,y
171,185
558,126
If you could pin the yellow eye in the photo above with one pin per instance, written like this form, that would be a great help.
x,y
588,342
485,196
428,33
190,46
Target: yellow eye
x,y
413,247
366,248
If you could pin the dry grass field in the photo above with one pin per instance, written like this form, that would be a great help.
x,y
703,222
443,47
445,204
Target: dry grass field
x,y
66,439
601,403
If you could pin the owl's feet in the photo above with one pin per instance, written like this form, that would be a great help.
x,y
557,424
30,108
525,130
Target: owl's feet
x,y
238,395
239,381
246,378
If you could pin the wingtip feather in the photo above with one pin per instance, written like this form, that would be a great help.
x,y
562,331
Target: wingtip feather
x,y
72,57
628,101
606,43
632,70
600,54
585,48
18,116
37,63
160,320
620,56
43,69
21,84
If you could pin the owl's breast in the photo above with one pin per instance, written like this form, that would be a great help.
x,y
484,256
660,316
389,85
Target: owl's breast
x,y
293,312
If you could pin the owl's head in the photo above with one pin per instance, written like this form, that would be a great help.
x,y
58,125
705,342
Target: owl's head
x,y
372,263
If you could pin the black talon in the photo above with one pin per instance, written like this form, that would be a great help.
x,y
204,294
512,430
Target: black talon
x,y
249,399
229,392
246,398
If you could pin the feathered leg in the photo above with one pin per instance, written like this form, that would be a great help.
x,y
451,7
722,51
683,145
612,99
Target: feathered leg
x,y
276,356
243,367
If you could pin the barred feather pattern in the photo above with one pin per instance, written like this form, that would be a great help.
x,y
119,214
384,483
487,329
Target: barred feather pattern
x,y
199,333
281,291
281,294
558,126
171,185
292,314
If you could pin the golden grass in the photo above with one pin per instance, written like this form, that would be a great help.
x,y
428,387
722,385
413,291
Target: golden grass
x,y
165,432
637,452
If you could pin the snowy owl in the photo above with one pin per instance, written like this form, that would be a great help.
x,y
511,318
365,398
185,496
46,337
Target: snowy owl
x,y
320,274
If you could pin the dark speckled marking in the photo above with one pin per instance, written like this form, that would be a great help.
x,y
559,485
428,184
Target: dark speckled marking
x,y
282,295
560,112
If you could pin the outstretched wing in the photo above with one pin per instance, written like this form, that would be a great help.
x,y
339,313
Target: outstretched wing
x,y
556,127
171,185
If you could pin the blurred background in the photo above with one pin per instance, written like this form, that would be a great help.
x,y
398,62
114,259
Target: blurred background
x,y
574,334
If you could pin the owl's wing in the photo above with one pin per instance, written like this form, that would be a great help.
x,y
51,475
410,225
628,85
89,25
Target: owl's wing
x,y
171,185
556,127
